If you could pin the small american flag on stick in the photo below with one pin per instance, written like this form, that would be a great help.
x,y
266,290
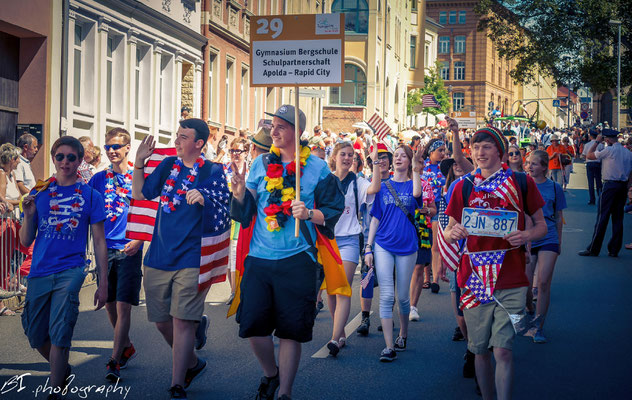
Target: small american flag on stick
x,y
378,126
428,100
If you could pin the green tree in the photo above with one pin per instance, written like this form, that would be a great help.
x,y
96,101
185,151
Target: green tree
x,y
433,84
570,40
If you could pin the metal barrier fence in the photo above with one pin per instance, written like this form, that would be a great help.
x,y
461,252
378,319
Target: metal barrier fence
x,y
15,261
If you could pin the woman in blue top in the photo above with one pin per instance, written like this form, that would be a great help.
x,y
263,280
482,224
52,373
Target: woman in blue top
x,y
434,153
544,252
396,244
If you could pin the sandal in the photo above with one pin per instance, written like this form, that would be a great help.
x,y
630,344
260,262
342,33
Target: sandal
x,y
6,311
426,285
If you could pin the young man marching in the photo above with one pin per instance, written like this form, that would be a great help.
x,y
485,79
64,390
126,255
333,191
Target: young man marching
x,y
57,216
125,257
493,186
193,194
278,291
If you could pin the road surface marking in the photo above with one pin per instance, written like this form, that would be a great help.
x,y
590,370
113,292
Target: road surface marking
x,y
349,330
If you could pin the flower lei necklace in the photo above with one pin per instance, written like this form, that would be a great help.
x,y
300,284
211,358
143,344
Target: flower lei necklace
x,y
166,202
118,195
75,208
281,187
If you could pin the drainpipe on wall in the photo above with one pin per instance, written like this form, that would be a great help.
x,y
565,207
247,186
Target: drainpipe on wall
x,y
63,110
206,50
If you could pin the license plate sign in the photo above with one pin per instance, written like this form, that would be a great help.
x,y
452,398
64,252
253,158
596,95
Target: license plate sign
x,y
485,222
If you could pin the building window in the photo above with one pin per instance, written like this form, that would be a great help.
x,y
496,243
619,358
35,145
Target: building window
x,y
213,88
459,44
354,90
427,55
452,19
444,44
229,97
261,9
270,100
141,83
443,17
413,5
356,14
461,17
413,51
459,70
165,79
109,60
492,80
500,76
458,100
244,98
445,70
78,50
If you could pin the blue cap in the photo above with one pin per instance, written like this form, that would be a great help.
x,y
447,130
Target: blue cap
x,y
610,133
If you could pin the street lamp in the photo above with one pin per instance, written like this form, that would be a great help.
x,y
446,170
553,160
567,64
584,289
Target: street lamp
x,y
617,23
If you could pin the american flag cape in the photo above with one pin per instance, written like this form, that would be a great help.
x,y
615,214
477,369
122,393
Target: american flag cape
x,y
378,126
474,294
500,184
428,100
450,253
216,231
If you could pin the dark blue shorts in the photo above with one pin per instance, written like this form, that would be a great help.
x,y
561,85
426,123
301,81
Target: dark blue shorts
x,y
125,276
554,247
278,296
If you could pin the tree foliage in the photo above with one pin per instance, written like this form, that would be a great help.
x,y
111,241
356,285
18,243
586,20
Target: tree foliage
x,y
570,40
433,84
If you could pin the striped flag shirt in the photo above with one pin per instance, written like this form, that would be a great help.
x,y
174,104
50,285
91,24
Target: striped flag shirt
x,y
215,251
379,127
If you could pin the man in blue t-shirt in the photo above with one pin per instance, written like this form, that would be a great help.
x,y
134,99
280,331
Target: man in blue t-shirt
x,y
279,287
57,216
124,255
172,263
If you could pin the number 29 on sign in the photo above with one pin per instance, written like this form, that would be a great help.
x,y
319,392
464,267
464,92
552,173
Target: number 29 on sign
x,y
275,25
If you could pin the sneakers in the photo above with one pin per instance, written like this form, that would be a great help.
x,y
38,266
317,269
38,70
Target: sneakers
x,y
468,366
539,337
194,372
230,299
414,314
458,335
128,355
388,355
268,387
113,371
200,333
400,343
177,393
320,305
333,348
363,329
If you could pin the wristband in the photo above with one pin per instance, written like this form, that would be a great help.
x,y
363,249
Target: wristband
x,y
366,253
376,162
137,167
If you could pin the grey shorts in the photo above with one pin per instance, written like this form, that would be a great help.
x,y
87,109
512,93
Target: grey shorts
x,y
52,307
488,325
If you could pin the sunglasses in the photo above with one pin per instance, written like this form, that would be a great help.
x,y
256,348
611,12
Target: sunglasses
x,y
236,151
60,157
114,147
514,153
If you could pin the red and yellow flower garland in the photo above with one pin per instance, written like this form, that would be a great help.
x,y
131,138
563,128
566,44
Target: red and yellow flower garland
x,y
281,188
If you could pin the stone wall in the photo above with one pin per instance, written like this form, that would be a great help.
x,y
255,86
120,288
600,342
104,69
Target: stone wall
x,y
187,90
341,119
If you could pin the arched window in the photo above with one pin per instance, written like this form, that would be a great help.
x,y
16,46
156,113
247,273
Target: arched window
x,y
354,90
356,14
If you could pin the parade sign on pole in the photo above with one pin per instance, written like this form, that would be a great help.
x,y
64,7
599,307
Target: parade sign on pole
x,y
297,50
466,120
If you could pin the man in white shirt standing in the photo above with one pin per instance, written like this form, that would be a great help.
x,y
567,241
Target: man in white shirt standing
x,y
24,174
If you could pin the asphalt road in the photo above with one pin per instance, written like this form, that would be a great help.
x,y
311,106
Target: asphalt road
x,y
588,328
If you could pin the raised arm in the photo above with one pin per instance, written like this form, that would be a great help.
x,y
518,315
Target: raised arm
x,y
457,152
376,182
144,151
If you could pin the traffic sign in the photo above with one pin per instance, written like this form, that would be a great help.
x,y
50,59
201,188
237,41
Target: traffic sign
x,y
583,115
585,100
465,119
585,106
556,103
297,50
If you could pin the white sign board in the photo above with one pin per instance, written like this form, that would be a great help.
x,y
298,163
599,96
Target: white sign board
x,y
466,120
297,50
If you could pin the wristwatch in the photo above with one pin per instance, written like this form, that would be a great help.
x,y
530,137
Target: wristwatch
x,y
310,214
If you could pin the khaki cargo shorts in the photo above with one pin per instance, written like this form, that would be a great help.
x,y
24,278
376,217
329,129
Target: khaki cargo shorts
x,y
488,325
173,294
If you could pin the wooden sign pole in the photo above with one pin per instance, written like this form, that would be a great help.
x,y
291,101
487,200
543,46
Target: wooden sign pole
x,y
297,156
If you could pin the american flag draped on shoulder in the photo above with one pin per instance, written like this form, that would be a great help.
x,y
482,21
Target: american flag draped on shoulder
x,y
216,234
378,126
428,100
500,184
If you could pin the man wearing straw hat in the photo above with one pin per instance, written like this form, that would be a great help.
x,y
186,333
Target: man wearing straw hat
x,y
278,291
